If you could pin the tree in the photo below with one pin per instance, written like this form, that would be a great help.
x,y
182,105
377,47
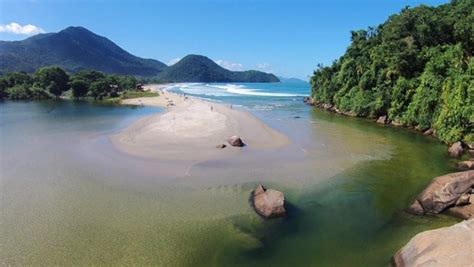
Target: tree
x,y
79,88
99,89
54,79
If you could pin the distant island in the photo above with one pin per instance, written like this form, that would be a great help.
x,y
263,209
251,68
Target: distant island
x,y
76,48
414,70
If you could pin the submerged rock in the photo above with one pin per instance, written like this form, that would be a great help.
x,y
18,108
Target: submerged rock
x,y
443,192
221,146
235,141
455,150
382,120
448,246
268,202
466,165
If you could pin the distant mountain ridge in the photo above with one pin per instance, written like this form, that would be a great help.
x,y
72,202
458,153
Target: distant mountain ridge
x,y
73,49
77,48
196,68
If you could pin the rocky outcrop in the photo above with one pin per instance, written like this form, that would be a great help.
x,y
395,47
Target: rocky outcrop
x,y
443,192
455,150
466,165
448,246
235,141
268,203
382,120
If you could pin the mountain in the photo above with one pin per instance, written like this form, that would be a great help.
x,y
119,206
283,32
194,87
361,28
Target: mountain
x,y
291,80
73,49
196,68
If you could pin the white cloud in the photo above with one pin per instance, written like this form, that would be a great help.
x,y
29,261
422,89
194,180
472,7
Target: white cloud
x,y
266,67
16,28
230,65
173,61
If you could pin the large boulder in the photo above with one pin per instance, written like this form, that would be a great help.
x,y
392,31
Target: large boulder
x,y
268,202
448,246
455,150
235,141
443,192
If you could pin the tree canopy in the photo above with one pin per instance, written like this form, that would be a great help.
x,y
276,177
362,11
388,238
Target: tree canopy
x,y
416,68
51,82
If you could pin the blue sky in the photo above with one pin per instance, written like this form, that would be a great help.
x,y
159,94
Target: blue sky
x,y
285,37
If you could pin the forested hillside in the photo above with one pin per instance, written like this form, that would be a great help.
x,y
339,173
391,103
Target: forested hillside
x,y
73,49
416,68
197,68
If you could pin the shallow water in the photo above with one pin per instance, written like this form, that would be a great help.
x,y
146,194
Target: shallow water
x,y
69,197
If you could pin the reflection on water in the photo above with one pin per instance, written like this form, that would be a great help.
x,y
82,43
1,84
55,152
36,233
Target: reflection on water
x,y
68,197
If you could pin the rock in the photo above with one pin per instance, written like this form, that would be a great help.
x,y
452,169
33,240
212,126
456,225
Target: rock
x,y
396,123
268,203
309,100
416,208
382,120
455,150
235,141
327,106
259,190
221,146
466,165
463,212
470,152
463,200
428,132
448,246
470,145
444,191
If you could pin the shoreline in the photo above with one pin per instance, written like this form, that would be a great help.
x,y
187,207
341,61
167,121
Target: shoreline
x,y
191,128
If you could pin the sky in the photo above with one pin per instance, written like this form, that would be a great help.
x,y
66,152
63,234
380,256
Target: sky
x,y
288,38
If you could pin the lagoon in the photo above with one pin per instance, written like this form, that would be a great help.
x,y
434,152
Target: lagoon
x,y
69,197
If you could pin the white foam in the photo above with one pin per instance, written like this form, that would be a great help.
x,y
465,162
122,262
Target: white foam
x,y
242,90
227,90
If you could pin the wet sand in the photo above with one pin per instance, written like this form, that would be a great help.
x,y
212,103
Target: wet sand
x,y
191,128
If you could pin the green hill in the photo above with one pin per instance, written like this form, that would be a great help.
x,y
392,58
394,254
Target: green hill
x,y
416,68
73,49
195,68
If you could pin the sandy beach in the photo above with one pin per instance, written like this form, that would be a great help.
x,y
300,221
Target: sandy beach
x,y
191,128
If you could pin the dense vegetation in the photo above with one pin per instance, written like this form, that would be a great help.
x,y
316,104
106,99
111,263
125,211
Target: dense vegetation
x,y
416,68
73,49
195,68
52,82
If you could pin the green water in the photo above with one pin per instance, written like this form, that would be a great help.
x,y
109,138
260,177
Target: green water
x,y
69,198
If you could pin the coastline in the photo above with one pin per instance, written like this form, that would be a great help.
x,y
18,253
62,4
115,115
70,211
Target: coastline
x,y
190,129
